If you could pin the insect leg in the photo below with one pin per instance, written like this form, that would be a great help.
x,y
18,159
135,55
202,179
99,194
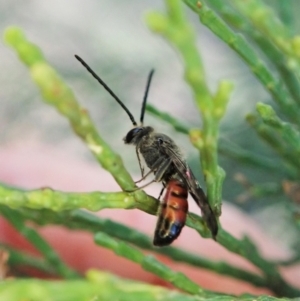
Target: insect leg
x,y
153,169
144,177
161,192
141,167
161,170
159,173
163,165
147,184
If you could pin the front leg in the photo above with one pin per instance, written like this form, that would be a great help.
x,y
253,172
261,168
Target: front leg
x,y
163,165
159,168
153,169
161,192
144,177
141,167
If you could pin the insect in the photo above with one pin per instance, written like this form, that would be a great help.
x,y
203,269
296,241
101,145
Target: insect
x,y
165,160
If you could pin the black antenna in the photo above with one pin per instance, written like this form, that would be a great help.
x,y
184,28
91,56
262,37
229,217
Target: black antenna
x,y
145,96
101,82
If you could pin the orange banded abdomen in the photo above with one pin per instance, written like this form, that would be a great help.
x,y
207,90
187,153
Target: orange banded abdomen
x,y
171,214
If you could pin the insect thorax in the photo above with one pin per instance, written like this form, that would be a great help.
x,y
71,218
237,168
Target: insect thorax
x,y
155,149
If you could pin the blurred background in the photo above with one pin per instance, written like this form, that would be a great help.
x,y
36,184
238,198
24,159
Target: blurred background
x,y
111,36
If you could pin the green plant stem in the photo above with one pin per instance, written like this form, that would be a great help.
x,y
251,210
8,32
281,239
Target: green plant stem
x,y
247,249
178,32
234,151
272,54
229,149
17,258
166,117
40,244
275,140
285,10
79,219
149,263
56,93
244,247
94,201
246,52
47,198
139,239
105,287
266,21
98,286
289,134
237,153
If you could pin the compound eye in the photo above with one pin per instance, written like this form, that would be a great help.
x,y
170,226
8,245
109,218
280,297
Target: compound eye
x,y
131,134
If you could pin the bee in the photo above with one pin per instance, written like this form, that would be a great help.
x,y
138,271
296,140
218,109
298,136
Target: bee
x,y
165,160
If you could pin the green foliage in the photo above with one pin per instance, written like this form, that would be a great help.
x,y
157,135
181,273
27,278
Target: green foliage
x,y
179,33
234,24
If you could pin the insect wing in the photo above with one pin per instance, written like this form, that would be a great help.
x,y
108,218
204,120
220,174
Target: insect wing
x,y
195,190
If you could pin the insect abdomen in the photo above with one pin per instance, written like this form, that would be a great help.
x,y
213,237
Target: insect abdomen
x,y
172,214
